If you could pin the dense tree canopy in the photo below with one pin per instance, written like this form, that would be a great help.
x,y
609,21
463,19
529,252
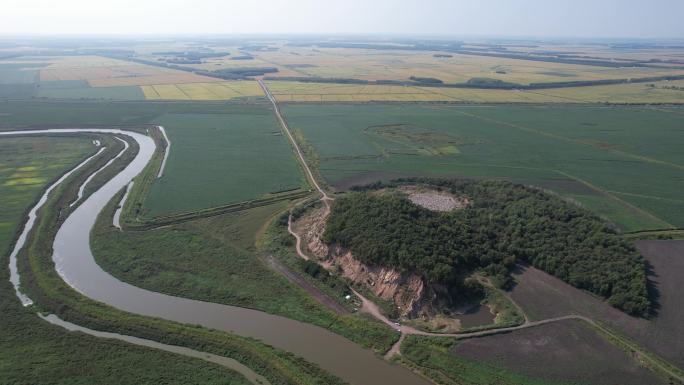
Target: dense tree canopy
x,y
504,224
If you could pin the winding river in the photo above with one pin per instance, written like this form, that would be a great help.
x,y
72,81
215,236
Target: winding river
x,y
75,263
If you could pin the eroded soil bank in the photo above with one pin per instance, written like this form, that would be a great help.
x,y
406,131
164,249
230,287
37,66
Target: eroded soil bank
x,y
412,297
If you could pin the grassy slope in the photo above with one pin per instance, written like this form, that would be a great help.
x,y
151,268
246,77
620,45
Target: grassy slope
x,y
593,155
33,351
225,158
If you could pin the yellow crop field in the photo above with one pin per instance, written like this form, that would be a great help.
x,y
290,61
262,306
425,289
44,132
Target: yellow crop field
x,y
401,65
660,92
105,72
328,92
657,92
224,90
220,63
324,92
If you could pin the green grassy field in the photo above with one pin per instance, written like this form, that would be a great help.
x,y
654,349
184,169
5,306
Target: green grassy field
x,y
621,162
224,158
47,90
222,152
23,174
19,73
35,352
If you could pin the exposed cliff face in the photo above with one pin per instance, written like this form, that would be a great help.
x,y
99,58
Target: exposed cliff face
x,y
408,291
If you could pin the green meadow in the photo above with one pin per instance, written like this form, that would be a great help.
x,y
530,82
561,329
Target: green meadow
x,y
221,153
35,352
218,159
625,163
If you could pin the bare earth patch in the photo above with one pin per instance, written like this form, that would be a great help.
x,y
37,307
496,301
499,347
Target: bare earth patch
x,y
434,200
544,296
407,291
563,351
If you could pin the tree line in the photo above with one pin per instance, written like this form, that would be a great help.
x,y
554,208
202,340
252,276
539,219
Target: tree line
x,y
505,224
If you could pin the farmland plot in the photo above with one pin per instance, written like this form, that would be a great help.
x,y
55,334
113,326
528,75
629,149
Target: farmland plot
x,y
604,158
223,158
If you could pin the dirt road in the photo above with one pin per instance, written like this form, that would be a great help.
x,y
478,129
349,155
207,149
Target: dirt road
x,y
305,285
298,239
372,309
299,152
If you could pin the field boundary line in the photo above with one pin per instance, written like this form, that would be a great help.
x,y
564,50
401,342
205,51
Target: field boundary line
x,y
153,89
574,100
183,91
172,219
617,199
299,152
426,91
208,89
645,196
575,141
225,85
655,363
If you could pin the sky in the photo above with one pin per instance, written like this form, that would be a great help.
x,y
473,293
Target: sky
x,y
515,18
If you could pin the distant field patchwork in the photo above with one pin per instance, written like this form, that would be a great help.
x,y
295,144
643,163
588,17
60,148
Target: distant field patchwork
x,y
101,78
105,72
371,64
657,92
624,163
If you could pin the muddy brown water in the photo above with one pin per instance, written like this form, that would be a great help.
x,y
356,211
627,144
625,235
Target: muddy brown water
x,y
75,263
477,315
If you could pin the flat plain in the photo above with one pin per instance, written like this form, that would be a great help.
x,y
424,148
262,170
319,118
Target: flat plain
x,y
222,158
105,72
543,296
22,174
50,354
221,153
398,64
203,91
608,159
567,351
361,113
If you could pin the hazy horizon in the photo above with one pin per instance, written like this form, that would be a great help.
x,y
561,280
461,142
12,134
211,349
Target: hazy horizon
x,y
580,19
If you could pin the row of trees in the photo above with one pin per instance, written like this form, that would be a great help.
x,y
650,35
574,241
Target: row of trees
x,y
505,224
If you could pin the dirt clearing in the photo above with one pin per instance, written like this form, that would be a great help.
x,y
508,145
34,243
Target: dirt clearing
x,y
563,351
434,200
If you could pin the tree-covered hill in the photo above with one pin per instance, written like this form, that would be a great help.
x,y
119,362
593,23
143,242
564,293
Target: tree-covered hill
x,y
504,224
